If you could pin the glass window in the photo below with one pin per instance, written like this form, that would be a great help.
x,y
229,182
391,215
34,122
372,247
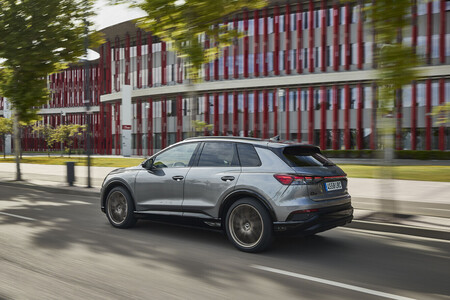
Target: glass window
x,y
421,94
367,97
309,157
435,93
251,104
218,154
248,156
176,157
406,96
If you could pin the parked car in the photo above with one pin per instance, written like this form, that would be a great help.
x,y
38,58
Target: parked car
x,y
250,188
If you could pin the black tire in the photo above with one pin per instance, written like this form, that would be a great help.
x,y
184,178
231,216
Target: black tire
x,y
249,226
120,208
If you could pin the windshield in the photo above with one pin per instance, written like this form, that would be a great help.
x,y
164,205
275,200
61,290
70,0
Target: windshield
x,y
306,157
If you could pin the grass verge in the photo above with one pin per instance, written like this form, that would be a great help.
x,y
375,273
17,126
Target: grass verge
x,y
422,173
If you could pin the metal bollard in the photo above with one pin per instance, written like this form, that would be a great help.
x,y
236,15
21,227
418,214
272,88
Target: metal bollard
x,y
70,172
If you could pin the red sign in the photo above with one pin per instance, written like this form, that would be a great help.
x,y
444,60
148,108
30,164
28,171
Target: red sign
x,y
126,127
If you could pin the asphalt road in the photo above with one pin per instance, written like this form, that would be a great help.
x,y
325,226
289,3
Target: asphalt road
x,y
56,246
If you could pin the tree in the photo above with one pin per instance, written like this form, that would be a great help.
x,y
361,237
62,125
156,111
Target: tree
x,y
38,37
6,127
47,132
67,134
200,126
396,67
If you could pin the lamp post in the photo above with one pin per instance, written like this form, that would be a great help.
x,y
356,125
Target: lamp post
x,y
280,95
87,96
61,123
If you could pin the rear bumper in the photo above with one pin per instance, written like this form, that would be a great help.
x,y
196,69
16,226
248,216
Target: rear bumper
x,y
322,220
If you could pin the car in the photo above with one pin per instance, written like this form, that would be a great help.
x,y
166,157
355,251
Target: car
x,y
252,189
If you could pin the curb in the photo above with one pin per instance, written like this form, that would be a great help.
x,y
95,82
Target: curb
x,y
75,190
401,229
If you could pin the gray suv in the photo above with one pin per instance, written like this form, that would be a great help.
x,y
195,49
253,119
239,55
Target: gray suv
x,y
250,188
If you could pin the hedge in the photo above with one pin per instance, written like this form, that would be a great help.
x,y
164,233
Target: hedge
x,y
400,154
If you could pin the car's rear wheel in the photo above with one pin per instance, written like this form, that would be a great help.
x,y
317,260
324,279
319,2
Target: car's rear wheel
x,y
249,226
120,208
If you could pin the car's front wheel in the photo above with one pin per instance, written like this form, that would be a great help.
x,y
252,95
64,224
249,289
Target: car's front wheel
x,y
249,225
119,208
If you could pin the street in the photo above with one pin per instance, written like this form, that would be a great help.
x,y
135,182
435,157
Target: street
x,y
58,246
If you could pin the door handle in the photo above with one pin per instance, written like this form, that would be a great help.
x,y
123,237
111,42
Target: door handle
x,y
227,178
177,178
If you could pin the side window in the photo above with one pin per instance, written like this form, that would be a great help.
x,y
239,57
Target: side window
x,y
176,157
248,156
218,154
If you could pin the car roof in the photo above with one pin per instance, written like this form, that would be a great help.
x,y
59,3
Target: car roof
x,y
272,143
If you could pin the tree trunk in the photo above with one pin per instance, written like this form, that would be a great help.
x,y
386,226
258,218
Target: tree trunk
x,y
4,146
17,146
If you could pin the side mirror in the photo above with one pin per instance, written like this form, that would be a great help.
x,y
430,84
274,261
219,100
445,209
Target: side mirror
x,y
148,164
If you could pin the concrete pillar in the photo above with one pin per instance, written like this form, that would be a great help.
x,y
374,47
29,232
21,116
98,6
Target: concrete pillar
x,y
127,120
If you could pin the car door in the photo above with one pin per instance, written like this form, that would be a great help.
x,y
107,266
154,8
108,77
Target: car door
x,y
214,176
161,187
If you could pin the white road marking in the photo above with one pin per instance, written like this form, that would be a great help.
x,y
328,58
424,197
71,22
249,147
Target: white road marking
x,y
17,216
330,282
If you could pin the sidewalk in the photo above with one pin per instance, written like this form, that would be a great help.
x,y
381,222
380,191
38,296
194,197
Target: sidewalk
x,y
419,207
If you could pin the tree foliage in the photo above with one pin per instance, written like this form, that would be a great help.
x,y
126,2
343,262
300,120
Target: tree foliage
x,y
67,134
38,37
47,132
184,24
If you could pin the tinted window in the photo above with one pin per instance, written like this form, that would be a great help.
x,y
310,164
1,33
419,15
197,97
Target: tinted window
x,y
306,157
176,157
248,156
218,154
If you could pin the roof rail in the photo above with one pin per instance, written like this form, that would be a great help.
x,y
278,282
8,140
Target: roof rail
x,y
224,137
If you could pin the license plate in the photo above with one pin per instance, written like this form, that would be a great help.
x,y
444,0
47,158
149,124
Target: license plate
x,y
333,186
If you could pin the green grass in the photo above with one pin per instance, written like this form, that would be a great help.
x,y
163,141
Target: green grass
x,y
114,162
422,173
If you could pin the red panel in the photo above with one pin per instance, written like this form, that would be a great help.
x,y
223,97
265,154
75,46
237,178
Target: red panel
x,y
311,116
109,128
323,118
414,24
360,36
288,125
256,44
225,114
179,106
359,129
336,37
413,115
245,121
108,68
216,114
299,39
216,62
323,35
265,124
117,141
127,59
265,43
235,52
207,112
276,48
275,112
442,32
139,127
225,60
399,116
246,44
116,64
207,69
427,115
149,60
441,102
150,127
429,30
311,36
255,114
287,39
235,114
139,58
163,63
373,120
347,36
299,113
335,118
164,123
347,117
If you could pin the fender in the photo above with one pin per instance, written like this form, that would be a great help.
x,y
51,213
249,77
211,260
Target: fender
x,y
239,193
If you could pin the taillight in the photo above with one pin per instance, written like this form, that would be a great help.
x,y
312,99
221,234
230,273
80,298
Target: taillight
x,y
287,179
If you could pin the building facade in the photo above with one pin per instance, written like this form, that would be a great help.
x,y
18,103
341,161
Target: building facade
x,y
303,70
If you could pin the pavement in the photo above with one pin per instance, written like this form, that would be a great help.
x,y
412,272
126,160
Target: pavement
x,y
419,208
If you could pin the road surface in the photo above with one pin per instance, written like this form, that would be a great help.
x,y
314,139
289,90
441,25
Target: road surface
x,y
57,246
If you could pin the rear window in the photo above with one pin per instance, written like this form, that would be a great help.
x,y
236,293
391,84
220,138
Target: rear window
x,y
306,157
248,156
